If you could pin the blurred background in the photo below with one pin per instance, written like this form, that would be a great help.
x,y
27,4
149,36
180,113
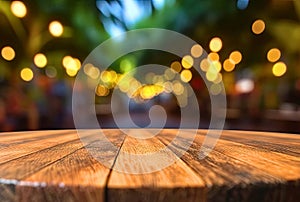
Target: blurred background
x,y
254,47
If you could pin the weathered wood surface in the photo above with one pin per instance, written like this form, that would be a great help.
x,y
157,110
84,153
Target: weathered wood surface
x,y
56,166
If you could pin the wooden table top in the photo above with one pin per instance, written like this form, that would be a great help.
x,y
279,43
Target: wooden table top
x,y
56,166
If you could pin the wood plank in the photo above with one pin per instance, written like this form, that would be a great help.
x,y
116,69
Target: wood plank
x,y
177,182
22,137
75,177
14,170
24,148
242,167
225,176
271,141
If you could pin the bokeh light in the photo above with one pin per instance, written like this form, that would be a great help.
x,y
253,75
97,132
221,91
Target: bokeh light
x,y
273,54
204,65
178,88
187,61
71,72
196,51
235,57
279,69
101,90
40,60
218,78
91,71
18,8
56,28
26,74
71,63
108,76
258,26
126,65
228,65
213,56
244,86
186,75
8,53
176,66
215,44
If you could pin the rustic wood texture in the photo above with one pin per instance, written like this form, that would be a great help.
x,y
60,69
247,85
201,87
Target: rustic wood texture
x,y
58,166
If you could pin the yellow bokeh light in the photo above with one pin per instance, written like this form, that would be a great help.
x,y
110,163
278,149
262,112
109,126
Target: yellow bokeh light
x,y
258,26
235,57
196,51
187,61
26,74
91,71
18,8
186,75
279,69
211,76
168,87
77,63
108,76
8,53
218,79
204,65
147,92
40,60
56,28
228,65
71,72
176,66
273,54
213,71
102,90
215,66
178,88
67,60
71,63
213,56
215,44
87,68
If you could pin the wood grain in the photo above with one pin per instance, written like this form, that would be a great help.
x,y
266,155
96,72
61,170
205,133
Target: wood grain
x,y
58,166
76,177
232,172
177,182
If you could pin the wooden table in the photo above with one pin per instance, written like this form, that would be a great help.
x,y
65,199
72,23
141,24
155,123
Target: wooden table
x,y
244,166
